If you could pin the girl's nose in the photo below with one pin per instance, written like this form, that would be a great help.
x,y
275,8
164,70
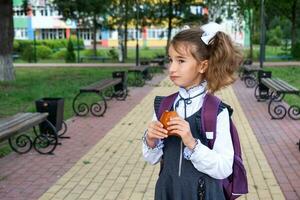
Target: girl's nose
x,y
172,67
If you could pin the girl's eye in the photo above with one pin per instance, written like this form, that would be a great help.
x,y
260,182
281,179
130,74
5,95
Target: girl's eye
x,y
180,61
170,60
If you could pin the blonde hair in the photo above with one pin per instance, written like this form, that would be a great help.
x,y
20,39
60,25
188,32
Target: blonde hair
x,y
223,56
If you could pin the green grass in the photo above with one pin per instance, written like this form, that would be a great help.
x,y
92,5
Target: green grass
x,y
270,52
32,84
36,83
290,75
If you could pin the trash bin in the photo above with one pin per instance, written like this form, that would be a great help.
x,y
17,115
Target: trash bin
x,y
55,108
123,85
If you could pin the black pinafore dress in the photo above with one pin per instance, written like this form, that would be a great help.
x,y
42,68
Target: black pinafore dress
x,y
178,178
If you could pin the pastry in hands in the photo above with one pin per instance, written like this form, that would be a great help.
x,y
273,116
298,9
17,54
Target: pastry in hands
x,y
165,118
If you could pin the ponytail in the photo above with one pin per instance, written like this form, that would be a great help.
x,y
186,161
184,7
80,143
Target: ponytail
x,y
224,60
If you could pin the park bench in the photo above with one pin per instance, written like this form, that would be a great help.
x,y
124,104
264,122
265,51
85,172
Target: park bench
x,y
115,87
248,73
12,127
279,57
141,73
15,56
158,61
99,58
274,90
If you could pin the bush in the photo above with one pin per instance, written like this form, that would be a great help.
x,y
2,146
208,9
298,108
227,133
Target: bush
x,y
61,54
90,52
70,55
28,53
54,45
16,46
274,41
23,45
256,38
43,52
274,36
113,54
296,50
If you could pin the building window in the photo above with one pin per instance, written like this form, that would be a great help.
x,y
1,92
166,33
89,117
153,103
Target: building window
x,y
53,34
18,11
21,33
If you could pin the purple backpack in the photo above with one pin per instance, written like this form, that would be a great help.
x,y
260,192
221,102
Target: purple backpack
x,y
236,184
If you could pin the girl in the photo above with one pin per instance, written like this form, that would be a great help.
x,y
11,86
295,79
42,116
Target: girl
x,y
201,60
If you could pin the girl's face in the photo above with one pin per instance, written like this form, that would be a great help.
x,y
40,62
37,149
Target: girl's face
x,y
184,70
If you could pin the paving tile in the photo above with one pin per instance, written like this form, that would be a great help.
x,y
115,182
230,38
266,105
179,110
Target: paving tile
x,y
107,163
124,174
277,139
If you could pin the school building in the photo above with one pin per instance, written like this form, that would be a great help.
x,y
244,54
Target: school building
x,y
43,21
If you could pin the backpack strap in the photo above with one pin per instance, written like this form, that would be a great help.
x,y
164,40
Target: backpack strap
x,y
163,103
209,114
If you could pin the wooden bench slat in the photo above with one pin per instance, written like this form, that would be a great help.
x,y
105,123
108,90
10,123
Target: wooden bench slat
x,y
98,86
279,85
13,119
18,118
252,68
139,69
292,88
14,127
271,84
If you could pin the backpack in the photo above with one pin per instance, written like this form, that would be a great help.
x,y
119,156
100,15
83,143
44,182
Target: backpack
x,y
236,184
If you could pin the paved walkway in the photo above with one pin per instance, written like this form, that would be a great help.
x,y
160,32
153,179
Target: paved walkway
x,y
277,138
114,169
28,176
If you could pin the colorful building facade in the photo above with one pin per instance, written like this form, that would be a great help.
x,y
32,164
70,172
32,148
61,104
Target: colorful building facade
x,y
43,21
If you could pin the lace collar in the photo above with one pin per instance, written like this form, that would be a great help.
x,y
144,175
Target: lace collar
x,y
192,91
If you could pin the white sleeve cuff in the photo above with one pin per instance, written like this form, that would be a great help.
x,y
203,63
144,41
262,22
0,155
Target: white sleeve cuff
x,y
152,155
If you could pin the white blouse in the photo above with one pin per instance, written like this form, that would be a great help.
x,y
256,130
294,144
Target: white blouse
x,y
216,162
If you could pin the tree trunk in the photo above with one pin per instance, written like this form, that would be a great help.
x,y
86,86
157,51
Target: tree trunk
x,y
7,72
294,23
251,30
169,24
95,35
126,30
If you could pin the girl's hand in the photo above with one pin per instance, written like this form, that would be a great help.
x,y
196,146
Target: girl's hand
x,y
179,126
155,131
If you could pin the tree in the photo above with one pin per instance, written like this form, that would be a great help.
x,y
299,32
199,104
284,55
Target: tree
x,y
85,13
119,15
289,9
249,9
70,55
7,72
174,13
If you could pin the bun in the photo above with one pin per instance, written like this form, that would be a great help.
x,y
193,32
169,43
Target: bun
x,y
165,118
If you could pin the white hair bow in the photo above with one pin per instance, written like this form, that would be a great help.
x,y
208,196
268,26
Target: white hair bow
x,y
210,31
185,27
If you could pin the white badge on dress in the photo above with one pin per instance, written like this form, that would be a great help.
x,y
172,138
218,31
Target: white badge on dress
x,y
209,135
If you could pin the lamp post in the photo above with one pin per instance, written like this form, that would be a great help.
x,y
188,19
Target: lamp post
x,y
137,58
34,46
262,34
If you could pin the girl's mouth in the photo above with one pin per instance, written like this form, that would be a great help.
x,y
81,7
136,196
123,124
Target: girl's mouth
x,y
174,77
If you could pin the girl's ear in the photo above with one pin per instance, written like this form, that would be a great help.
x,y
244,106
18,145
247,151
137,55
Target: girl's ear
x,y
202,67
